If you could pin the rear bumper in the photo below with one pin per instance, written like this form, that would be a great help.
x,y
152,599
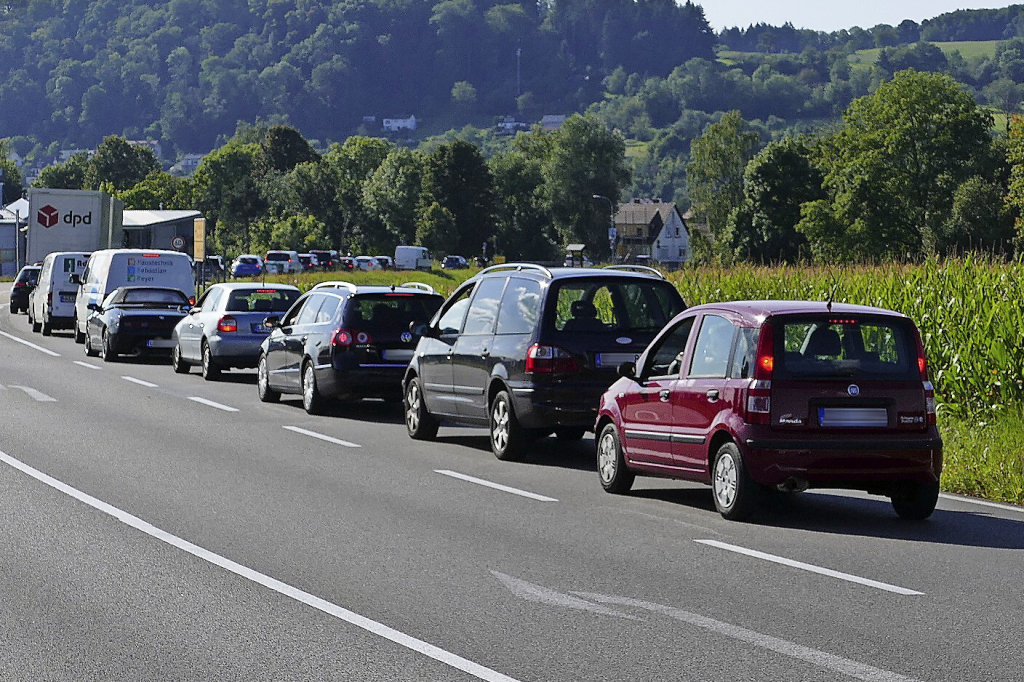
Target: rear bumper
x,y
383,381
127,342
545,407
237,351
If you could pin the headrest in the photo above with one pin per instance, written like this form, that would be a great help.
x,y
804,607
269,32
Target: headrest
x,y
824,341
583,309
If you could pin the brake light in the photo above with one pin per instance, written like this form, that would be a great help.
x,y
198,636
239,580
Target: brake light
x,y
345,338
151,255
759,393
266,291
191,300
929,390
550,360
19,285
399,294
227,324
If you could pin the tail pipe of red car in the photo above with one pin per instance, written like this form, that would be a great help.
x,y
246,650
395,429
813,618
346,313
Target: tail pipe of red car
x,y
759,393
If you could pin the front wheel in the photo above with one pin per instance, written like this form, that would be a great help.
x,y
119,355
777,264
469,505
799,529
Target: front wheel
x,y
611,464
507,436
89,350
916,501
178,363
420,424
736,493
263,389
312,401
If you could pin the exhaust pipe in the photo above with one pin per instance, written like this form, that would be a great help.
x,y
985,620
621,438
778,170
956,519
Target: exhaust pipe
x,y
793,485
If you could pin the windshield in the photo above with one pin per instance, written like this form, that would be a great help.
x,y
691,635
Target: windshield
x,y
618,305
846,346
390,313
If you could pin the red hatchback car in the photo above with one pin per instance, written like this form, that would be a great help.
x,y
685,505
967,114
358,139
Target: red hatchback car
x,y
751,396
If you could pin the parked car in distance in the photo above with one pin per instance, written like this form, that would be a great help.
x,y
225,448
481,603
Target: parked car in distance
x,y
52,302
309,262
24,283
326,259
751,396
247,265
526,351
225,328
367,263
346,263
134,320
282,262
341,341
385,262
454,263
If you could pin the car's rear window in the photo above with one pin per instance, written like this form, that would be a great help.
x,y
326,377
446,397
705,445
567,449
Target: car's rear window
x,y
261,300
389,313
278,256
616,305
30,276
248,261
153,296
845,346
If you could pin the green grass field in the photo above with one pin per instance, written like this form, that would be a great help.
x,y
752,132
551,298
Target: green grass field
x,y
969,49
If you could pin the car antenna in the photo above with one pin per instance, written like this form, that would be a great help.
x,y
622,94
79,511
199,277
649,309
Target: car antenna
x,y
392,287
832,294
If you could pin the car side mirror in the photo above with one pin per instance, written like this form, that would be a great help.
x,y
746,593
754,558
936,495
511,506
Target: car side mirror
x,y
628,370
75,278
193,311
423,329
95,307
272,322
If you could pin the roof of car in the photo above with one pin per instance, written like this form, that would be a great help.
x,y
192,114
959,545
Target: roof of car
x,y
363,289
232,286
542,272
762,309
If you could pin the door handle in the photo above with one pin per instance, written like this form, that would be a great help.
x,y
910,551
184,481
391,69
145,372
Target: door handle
x,y
712,394
304,338
664,394
201,326
485,353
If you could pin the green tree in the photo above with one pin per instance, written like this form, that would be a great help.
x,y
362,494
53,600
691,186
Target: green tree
x,y
522,217
1006,96
392,193
121,164
436,229
283,148
1015,157
456,179
159,191
714,175
67,175
979,219
227,192
10,176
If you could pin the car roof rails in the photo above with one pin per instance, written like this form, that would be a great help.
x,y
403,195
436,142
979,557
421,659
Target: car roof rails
x,y
419,285
517,267
642,269
336,284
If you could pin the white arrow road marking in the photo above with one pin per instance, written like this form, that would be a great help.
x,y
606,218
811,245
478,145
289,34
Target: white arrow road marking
x,y
543,595
329,439
86,365
36,395
140,382
837,664
23,342
204,401
496,486
810,567
383,631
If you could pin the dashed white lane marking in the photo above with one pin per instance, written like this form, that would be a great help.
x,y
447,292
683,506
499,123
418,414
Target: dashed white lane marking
x,y
23,342
86,365
329,439
35,395
140,382
811,568
419,646
204,401
496,486
983,503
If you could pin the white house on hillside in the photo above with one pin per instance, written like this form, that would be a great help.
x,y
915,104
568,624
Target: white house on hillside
x,y
393,125
650,229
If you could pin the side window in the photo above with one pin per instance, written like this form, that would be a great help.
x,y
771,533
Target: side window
x,y
520,307
292,315
212,300
484,309
711,353
451,319
667,358
327,310
309,311
743,357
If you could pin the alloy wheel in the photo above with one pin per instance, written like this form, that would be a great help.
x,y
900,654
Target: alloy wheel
x,y
607,457
725,480
499,425
412,409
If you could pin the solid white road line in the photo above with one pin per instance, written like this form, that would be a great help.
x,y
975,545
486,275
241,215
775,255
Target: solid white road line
x,y
36,395
810,567
419,646
86,364
329,439
204,401
23,342
140,382
983,503
496,486
836,664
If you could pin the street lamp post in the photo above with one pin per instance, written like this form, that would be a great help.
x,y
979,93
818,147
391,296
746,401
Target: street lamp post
x,y
612,232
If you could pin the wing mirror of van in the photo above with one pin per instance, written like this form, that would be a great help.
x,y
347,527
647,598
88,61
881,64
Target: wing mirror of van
x,y
422,329
628,370
272,322
75,278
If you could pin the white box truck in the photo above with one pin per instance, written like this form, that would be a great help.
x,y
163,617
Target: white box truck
x,y
72,220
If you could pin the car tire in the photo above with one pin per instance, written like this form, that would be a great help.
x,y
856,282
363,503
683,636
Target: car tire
x,y
47,328
14,309
32,321
211,370
611,463
263,389
89,350
736,494
312,401
106,346
178,363
79,336
507,436
570,433
916,502
420,424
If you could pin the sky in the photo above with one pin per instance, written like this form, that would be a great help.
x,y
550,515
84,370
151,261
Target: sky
x,y
832,15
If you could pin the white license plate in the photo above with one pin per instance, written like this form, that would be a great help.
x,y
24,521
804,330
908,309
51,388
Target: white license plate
x,y
160,343
398,355
862,417
67,298
258,328
614,359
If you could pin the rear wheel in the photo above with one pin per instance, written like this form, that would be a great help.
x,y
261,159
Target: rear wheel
x,y
611,464
507,436
107,348
178,363
736,493
916,501
211,371
47,327
263,389
312,401
420,424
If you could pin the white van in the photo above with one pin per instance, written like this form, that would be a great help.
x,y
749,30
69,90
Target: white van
x,y
413,258
52,304
109,269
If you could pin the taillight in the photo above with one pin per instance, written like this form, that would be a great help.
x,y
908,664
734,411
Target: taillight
x,y
346,338
19,285
227,324
550,360
929,390
191,300
49,298
759,394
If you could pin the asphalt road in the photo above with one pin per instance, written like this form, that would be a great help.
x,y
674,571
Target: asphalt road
x,y
148,535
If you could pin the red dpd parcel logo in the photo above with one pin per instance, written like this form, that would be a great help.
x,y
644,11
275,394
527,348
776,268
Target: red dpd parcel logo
x,y
47,216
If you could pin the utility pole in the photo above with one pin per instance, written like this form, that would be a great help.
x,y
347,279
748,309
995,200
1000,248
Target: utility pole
x,y
519,89
613,234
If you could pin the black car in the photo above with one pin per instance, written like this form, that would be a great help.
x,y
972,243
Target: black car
x,y
134,320
324,259
528,351
23,285
343,341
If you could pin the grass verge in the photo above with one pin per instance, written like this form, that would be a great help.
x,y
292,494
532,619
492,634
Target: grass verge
x,y
985,459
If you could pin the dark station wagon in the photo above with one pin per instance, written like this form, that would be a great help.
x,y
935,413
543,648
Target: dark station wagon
x,y
753,396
